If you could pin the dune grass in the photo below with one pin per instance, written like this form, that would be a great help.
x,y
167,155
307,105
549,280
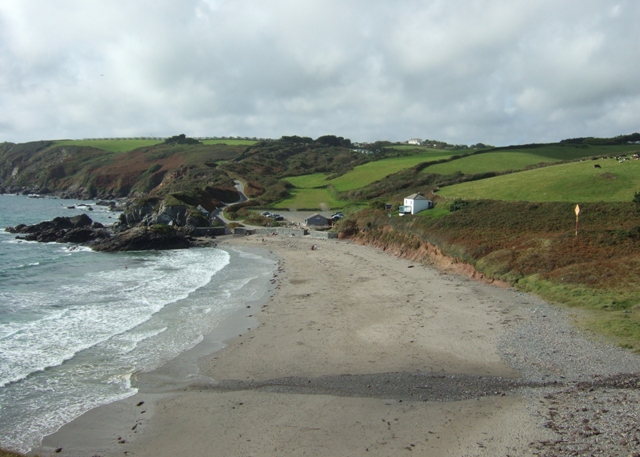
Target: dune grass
x,y
571,182
111,145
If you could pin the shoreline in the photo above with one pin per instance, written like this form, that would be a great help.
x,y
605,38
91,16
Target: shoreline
x,y
358,352
101,429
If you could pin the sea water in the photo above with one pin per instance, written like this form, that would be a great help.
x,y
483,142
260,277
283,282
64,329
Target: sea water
x,y
76,325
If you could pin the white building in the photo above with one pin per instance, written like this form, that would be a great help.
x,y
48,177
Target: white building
x,y
414,141
415,203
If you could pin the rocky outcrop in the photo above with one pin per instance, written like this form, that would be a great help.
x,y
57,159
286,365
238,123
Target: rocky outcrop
x,y
171,215
153,212
77,229
82,230
139,214
144,238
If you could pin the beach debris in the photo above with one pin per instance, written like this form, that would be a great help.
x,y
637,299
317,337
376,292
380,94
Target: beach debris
x,y
140,403
58,450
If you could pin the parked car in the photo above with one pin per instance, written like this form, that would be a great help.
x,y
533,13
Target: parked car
x,y
337,216
276,217
266,214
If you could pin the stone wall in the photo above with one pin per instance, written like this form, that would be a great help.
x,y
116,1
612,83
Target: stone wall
x,y
210,231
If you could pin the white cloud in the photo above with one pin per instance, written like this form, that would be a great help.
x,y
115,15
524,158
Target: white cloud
x,y
460,71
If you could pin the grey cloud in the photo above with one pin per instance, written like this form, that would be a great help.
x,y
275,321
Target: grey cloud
x,y
460,71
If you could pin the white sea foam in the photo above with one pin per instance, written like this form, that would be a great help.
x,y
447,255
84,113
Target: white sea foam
x,y
76,248
99,306
76,326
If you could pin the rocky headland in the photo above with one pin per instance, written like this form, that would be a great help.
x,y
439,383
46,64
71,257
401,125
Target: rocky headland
x,y
84,231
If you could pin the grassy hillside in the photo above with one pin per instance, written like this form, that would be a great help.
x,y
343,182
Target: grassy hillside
x,y
307,191
89,172
373,171
309,181
514,158
311,199
571,182
231,142
111,145
126,145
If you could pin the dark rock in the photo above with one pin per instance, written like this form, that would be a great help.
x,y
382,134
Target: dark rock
x,y
110,203
138,214
144,238
82,230
76,229
81,221
83,235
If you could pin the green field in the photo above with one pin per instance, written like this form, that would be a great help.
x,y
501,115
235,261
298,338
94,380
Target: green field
x,y
231,142
311,190
519,159
414,147
571,182
115,145
110,145
311,199
309,181
435,213
365,174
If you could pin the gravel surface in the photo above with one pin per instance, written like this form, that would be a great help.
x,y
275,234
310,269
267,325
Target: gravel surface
x,y
546,347
594,406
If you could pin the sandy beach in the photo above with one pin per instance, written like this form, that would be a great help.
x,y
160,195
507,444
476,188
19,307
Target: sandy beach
x,y
356,352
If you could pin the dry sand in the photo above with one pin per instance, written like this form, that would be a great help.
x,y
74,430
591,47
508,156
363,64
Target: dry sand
x,y
340,365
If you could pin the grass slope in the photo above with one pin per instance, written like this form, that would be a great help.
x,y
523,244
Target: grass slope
x,y
571,182
309,195
521,158
365,174
231,142
309,181
115,145
311,199
110,145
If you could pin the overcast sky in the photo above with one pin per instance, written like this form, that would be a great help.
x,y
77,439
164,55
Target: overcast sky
x,y
462,71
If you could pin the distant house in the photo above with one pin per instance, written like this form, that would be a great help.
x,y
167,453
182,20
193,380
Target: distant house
x,y
414,141
317,220
415,203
